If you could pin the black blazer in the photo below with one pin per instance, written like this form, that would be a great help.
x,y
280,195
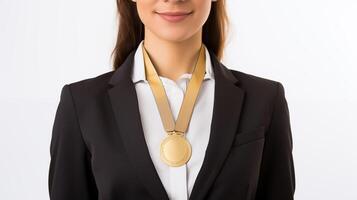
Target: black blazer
x,y
98,150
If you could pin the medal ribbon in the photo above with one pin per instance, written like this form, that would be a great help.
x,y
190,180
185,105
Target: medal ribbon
x,y
189,100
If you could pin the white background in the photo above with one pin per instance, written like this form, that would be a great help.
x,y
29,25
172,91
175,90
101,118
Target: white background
x,y
308,45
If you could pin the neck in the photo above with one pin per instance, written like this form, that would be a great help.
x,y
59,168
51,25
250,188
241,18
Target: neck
x,y
172,59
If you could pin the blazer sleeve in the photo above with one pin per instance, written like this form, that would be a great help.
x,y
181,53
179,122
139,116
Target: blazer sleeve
x,y
277,175
70,176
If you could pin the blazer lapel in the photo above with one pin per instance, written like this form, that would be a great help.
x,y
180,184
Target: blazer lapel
x,y
228,99
126,110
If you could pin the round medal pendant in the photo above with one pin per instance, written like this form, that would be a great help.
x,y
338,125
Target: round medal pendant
x,y
175,150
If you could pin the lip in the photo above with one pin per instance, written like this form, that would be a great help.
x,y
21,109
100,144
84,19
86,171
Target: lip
x,y
174,16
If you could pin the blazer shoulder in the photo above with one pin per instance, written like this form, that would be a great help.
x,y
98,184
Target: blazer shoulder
x,y
249,82
90,88
258,88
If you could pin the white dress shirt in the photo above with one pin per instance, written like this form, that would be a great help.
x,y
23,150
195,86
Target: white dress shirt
x,y
178,181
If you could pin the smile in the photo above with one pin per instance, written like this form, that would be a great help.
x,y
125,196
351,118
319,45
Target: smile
x,y
174,16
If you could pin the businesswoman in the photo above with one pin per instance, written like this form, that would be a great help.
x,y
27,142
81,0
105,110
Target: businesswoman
x,y
171,121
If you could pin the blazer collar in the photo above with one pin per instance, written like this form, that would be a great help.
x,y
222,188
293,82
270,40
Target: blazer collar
x,y
125,70
228,100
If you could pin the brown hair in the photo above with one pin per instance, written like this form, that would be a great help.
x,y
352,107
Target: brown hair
x,y
131,30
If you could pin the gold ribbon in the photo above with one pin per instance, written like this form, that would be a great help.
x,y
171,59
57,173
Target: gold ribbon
x,y
175,150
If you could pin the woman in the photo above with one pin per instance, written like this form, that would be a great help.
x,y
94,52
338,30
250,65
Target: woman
x,y
146,131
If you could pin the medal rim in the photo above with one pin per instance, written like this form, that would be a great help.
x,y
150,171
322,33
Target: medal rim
x,y
187,156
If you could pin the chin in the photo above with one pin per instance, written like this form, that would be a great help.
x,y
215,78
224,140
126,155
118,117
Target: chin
x,y
175,35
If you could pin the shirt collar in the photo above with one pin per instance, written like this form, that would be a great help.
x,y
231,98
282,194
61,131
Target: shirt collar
x,y
139,71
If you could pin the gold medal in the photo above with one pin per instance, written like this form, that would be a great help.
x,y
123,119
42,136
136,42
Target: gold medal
x,y
175,150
